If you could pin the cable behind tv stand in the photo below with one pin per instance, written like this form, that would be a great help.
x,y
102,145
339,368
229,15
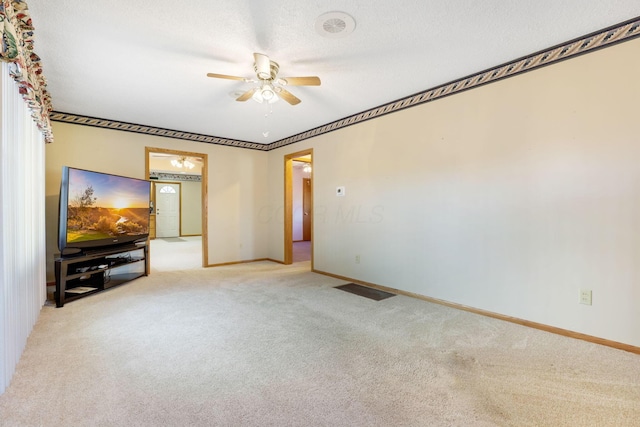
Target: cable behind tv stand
x,y
91,272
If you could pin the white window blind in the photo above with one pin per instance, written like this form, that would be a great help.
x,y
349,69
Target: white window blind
x,y
22,226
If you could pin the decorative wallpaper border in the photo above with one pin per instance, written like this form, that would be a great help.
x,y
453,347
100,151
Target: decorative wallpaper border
x,y
604,38
150,130
166,176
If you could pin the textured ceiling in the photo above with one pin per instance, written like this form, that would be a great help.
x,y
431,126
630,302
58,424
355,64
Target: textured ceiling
x,y
145,61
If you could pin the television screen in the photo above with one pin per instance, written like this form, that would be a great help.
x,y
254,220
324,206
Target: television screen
x,y
99,209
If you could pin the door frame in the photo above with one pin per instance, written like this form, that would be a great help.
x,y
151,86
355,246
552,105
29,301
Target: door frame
x,y
204,180
288,204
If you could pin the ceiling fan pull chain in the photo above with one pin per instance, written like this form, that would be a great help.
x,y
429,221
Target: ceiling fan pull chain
x,y
269,109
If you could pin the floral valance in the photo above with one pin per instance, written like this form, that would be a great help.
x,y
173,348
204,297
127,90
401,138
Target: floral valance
x,y
16,48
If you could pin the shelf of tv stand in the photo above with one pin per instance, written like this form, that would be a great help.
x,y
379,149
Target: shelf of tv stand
x,y
99,271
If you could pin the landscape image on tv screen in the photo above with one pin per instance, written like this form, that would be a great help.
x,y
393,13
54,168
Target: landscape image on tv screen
x,y
103,206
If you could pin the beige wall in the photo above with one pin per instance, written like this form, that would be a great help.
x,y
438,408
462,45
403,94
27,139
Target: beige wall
x,y
236,187
510,198
191,213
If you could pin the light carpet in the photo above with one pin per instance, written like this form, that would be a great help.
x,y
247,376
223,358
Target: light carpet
x,y
173,254
263,344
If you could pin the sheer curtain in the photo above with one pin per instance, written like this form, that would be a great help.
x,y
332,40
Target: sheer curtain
x,y
22,225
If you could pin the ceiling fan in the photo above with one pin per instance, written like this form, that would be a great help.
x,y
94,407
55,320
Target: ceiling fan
x,y
269,86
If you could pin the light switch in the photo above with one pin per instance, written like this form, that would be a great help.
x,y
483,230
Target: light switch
x,y
339,191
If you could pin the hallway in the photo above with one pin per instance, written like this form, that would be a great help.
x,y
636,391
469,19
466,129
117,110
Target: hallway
x,y
176,253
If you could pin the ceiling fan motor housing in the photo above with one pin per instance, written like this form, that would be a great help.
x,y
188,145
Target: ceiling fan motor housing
x,y
273,71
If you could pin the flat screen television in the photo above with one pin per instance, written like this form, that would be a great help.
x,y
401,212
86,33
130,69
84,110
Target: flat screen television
x,y
99,210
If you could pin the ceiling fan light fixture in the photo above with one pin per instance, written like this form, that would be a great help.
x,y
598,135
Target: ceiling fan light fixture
x,y
257,96
265,93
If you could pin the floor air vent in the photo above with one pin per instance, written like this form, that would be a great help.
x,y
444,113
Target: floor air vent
x,y
363,291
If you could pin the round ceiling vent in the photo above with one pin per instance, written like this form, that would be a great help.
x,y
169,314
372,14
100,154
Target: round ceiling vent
x,y
335,24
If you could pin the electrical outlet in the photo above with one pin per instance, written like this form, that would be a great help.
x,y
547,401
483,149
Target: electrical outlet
x,y
585,296
357,259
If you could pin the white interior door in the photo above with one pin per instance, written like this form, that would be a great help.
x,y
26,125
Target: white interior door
x,y
167,210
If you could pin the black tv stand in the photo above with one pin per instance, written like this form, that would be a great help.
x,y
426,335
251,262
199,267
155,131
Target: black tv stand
x,y
85,274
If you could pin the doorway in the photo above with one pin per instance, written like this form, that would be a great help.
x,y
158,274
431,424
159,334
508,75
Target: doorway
x,y
167,209
298,203
151,155
306,209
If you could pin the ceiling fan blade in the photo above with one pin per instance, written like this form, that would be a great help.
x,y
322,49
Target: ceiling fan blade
x,y
247,95
300,81
224,76
263,66
287,96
